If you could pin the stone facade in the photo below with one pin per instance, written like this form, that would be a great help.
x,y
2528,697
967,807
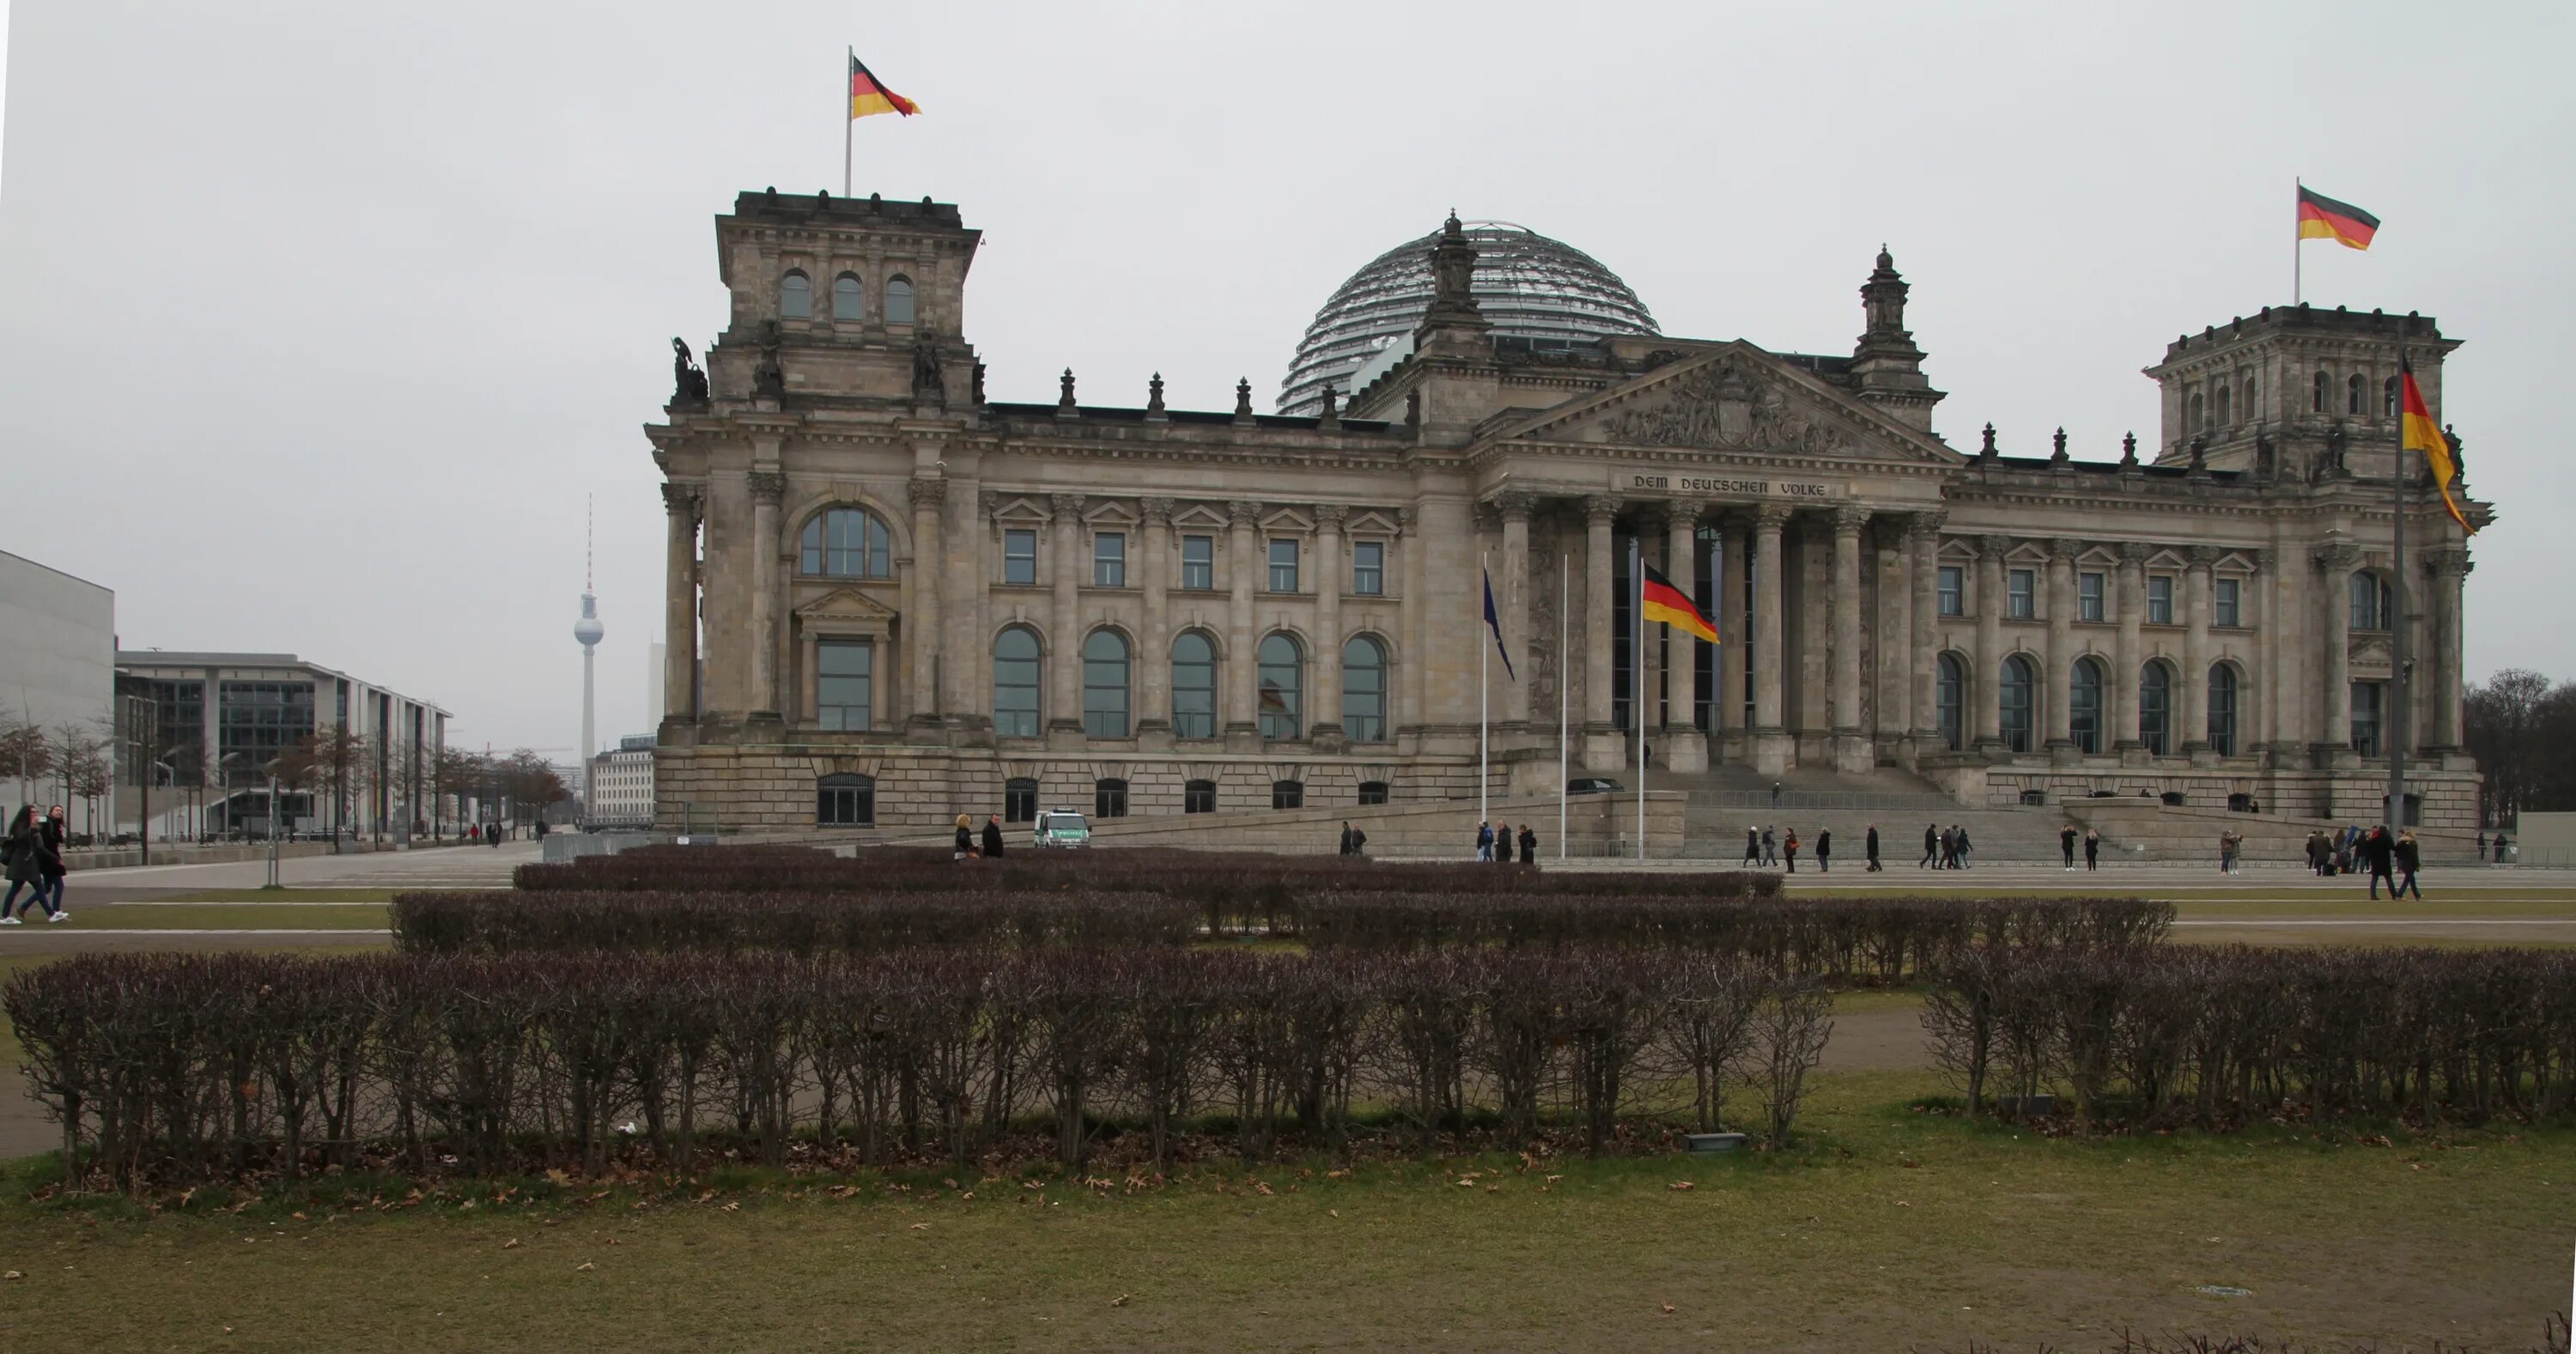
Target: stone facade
x,y
912,602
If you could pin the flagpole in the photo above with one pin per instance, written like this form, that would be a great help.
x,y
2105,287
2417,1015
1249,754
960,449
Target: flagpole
x,y
2394,721
2297,238
851,55
1564,601
1637,675
1484,681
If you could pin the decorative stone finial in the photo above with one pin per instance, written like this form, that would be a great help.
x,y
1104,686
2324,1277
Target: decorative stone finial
x,y
1988,448
2129,449
1064,405
1154,397
1332,409
1243,401
2059,455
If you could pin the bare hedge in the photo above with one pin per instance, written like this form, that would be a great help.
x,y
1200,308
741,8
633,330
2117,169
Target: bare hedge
x,y
2217,1036
166,1069
651,922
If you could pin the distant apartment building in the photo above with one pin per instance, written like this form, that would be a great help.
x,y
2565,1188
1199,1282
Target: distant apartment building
x,y
224,721
621,781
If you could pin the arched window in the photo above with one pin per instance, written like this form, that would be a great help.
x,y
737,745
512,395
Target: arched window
x,y
1364,690
1104,685
2084,706
1020,800
849,298
2222,709
845,801
844,543
1283,688
1287,794
898,300
2374,603
2251,404
2199,412
2155,707
2317,396
795,297
1109,798
2388,398
1950,701
2223,404
2352,393
1015,683
1193,686
2018,681
1199,796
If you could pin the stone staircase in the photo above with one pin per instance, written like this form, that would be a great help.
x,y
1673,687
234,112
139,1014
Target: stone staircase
x,y
2140,830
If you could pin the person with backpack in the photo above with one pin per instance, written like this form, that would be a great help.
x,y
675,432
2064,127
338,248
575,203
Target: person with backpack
x,y
1485,840
51,839
1770,847
1792,847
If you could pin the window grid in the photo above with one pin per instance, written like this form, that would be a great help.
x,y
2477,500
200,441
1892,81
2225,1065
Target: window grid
x,y
1287,794
2016,707
795,297
1015,684
2155,707
844,681
845,543
1364,691
2084,706
1282,681
1020,555
1104,685
1109,560
1368,569
1019,800
2229,605
2088,597
1372,792
845,801
1950,701
2160,600
1283,566
2222,710
1953,590
2021,587
2367,722
1109,799
1198,563
1193,686
1199,796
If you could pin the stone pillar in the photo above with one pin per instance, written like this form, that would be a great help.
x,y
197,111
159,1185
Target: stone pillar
x,y
1242,683
2061,651
921,628
2449,567
2132,651
1648,693
1599,630
1682,746
2334,730
1153,663
1064,625
680,608
1893,631
1771,742
2265,687
1413,676
1985,687
1853,754
2196,601
1324,716
1924,536
1513,506
767,487
1732,632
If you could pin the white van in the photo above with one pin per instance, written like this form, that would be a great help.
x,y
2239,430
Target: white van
x,y
1062,827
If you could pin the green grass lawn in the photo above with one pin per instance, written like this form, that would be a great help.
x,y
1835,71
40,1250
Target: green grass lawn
x,y
225,916
294,895
1886,1230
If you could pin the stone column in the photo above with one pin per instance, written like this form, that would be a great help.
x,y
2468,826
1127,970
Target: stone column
x,y
1599,631
1413,676
1683,748
1649,692
767,487
2334,731
1324,716
1153,663
2265,687
1924,536
921,625
2061,650
1732,632
1242,666
1892,630
1771,742
1064,623
680,608
1513,506
2449,567
2196,601
2132,650
1853,754
1985,687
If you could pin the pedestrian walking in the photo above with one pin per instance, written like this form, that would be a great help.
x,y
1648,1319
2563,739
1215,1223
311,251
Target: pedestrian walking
x,y
992,836
52,838
1775,794
2227,840
2501,847
1931,847
2092,849
1791,846
1872,844
2379,853
2482,845
1752,846
21,854
1825,851
1529,845
2066,844
1503,843
1770,848
1485,840
2410,858
965,845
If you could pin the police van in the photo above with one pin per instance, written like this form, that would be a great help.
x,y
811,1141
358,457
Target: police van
x,y
1062,827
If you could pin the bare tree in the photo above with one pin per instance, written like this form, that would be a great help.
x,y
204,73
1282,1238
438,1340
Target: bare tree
x,y
453,771
25,754
88,772
2523,734
332,761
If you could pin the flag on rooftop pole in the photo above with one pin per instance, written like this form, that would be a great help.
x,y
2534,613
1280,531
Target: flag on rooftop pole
x,y
2416,431
2323,218
1494,623
868,97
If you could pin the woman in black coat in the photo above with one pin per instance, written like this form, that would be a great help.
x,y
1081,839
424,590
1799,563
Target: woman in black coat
x,y
1529,845
992,837
18,859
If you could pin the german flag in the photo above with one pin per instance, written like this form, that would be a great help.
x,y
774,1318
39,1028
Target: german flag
x,y
2323,218
2416,431
867,96
1659,600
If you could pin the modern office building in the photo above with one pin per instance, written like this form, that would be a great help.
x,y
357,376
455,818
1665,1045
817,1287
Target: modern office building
x,y
913,601
225,721
57,690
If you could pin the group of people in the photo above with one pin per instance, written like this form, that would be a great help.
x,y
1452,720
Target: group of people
x,y
1769,846
31,856
2500,845
1494,843
2092,847
968,848
1945,848
2396,857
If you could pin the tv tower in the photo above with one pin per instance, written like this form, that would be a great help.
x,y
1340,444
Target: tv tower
x,y
587,630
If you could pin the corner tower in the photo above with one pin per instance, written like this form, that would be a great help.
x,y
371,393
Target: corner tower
x,y
2293,392
1886,367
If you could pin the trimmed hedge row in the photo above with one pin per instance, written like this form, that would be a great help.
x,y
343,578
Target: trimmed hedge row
x,y
166,1069
2216,1036
501,922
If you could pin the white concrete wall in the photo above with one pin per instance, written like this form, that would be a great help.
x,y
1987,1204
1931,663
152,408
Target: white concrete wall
x,y
57,654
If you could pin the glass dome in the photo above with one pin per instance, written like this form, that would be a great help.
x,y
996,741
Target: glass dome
x,y
1527,285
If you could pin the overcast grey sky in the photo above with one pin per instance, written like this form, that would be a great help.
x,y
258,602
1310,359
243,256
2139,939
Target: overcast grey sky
x,y
317,321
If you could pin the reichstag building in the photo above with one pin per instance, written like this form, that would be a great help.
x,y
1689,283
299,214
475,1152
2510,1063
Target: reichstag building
x,y
892,600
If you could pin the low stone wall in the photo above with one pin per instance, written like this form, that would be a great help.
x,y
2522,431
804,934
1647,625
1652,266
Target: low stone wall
x,y
2448,798
120,857
2156,831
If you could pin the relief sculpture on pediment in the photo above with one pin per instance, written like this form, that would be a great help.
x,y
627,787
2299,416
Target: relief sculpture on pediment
x,y
1720,411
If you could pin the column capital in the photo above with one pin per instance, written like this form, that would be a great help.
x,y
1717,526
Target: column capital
x,y
1514,503
1157,512
1330,515
1408,520
2448,561
1243,512
1993,547
2336,558
767,486
680,500
2064,548
1926,525
2133,554
926,492
2264,557
2202,556
988,502
1599,508
1770,517
1849,518
1068,507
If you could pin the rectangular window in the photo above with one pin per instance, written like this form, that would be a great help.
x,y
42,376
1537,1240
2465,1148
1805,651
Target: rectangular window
x,y
844,678
1368,569
1954,590
2088,597
1109,560
2160,600
1019,556
1198,563
2021,591
2231,608
1287,794
1372,792
2366,721
1199,796
1019,800
1283,566
1109,799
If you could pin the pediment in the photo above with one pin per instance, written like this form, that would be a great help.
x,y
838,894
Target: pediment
x,y
845,604
1737,398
